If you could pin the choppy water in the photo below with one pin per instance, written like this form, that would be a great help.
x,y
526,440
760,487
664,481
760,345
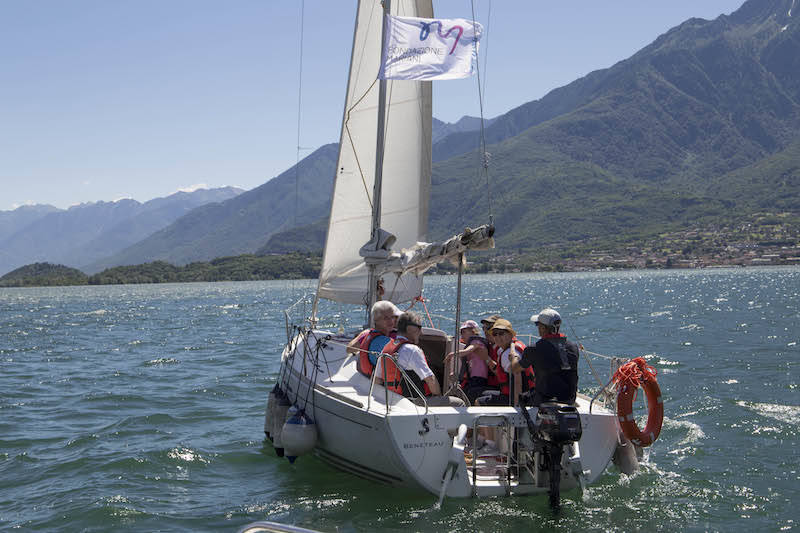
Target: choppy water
x,y
141,407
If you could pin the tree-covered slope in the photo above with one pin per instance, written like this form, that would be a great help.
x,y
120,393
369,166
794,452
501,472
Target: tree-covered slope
x,y
43,274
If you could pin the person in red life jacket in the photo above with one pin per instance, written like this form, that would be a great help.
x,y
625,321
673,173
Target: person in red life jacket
x,y
476,352
369,343
486,324
508,350
492,391
411,358
554,360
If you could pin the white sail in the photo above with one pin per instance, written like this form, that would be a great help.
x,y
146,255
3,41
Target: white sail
x,y
406,168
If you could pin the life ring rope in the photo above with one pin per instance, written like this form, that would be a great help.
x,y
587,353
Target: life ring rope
x,y
628,378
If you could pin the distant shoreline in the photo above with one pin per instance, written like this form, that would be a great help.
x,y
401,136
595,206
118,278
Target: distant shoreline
x,y
160,272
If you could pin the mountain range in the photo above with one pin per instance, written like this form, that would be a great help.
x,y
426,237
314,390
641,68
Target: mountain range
x,y
87,232
702,126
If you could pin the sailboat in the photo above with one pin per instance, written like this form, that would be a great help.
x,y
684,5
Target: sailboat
x,y
377,233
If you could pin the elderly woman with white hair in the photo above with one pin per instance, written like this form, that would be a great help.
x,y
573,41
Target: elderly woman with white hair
x,y
369,343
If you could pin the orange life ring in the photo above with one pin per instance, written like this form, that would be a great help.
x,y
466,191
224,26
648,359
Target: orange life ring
x,y
629,378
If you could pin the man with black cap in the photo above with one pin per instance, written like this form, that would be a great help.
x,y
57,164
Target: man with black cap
x,y
554,360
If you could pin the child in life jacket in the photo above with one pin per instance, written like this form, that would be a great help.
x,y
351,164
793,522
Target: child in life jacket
x,y
475,373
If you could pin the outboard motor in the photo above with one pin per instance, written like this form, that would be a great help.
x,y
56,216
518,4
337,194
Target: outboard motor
x,y
556,425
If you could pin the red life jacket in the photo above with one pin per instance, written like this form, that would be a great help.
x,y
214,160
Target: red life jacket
x,y
502,378
364,365
394,377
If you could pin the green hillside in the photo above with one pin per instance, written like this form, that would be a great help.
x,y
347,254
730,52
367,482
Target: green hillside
x,y
300,239
240,268
43,275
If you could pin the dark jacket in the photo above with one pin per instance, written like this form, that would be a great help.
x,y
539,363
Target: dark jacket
x,y
555,365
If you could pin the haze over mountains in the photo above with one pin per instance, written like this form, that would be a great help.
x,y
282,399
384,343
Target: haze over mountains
x,y
699,127
88,232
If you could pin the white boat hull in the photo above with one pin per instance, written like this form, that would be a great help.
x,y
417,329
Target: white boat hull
x,y
407,444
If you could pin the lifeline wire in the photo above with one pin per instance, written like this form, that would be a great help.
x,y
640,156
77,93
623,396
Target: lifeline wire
x,y
588,360
314,372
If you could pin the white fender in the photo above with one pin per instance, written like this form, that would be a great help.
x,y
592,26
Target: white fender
x,y
299,435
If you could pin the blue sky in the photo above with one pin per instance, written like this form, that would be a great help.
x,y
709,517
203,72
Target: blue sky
x,y
101,100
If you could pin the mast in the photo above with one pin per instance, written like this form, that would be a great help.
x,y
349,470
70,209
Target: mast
x,y
391,157
372,279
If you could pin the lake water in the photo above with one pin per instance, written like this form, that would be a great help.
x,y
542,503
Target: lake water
x,y
141,407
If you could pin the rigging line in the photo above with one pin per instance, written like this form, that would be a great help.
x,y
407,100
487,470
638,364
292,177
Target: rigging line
x,y
299,109
366,92
425,306
282,369
427,147
484,155
299,114
352,143
283,376
325,358
486,47
314,373
588,360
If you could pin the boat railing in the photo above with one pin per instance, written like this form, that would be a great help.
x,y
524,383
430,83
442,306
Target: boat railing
x,y
507,432
385,388
288,313
605,393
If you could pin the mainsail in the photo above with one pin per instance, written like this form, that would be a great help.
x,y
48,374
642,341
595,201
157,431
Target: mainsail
x,y
406,167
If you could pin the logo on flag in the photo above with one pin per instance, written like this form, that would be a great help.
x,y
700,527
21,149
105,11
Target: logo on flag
x,y
429,49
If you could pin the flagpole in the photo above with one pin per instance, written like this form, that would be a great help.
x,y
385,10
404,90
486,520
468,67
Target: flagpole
x,y
378,184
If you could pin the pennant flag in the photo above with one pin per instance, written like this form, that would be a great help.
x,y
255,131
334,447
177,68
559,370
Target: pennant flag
x,y
429,49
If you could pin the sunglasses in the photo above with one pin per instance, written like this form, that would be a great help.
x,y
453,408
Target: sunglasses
x,y
414,324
